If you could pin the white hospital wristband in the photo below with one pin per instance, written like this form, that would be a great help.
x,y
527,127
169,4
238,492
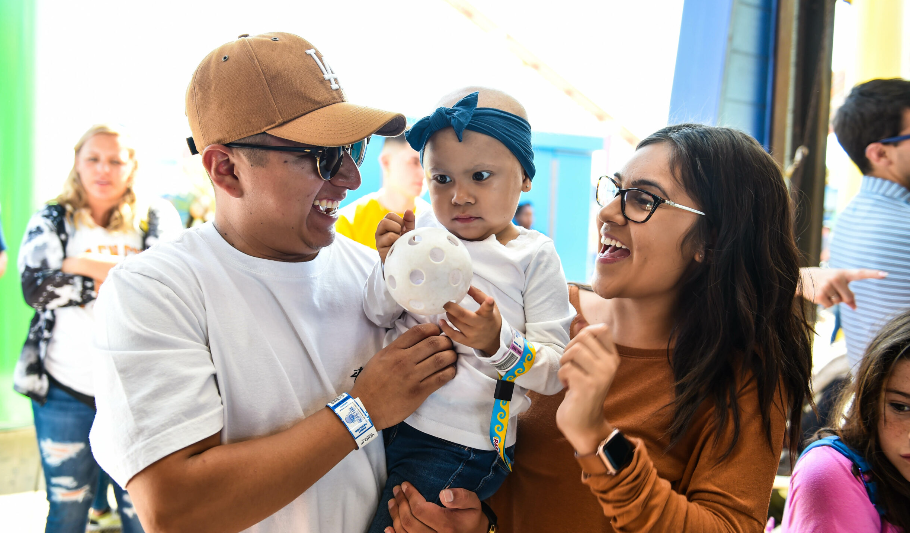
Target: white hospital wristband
x,y
354,417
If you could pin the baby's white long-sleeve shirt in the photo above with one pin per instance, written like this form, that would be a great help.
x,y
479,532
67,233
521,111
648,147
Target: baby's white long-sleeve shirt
x,y
526,280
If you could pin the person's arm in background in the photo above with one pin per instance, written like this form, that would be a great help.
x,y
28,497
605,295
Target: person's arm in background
x,y
162,224
46,284
727,492
830,286
91,265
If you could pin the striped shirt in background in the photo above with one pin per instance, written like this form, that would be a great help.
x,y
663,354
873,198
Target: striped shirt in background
x,y
873,232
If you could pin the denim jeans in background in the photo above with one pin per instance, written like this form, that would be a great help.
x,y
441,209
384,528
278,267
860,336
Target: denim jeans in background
x,y
70,471
432,464
100,502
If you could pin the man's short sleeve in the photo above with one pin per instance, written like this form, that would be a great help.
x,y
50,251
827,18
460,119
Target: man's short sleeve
x,y
155,384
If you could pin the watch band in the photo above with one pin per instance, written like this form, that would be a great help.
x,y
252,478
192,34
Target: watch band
x,y
355,418
612,455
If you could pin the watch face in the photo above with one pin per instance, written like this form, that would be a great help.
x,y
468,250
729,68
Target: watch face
x,y
619,451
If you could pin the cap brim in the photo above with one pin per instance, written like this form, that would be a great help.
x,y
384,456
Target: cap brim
x,y
340,124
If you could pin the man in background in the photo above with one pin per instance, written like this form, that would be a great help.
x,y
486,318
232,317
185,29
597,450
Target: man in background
x,y
402,183
873,127
524,215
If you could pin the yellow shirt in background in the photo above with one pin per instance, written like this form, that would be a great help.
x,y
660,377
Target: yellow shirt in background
x,y
358,220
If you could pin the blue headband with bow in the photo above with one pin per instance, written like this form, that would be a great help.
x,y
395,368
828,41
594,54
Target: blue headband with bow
x,y
511,130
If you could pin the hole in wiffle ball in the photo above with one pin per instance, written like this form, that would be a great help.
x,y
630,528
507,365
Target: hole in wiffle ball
x,y
414,239
391,281
455,277
437,255
417,277
416,304
452,240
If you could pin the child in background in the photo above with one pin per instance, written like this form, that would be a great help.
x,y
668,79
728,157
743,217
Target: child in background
x,y
511,328
856,477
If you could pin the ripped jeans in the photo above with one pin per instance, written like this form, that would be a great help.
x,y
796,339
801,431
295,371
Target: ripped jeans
x,y
70,471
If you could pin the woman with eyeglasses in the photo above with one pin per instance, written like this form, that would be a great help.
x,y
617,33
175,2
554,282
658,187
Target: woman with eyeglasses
x,y
690,355
68,249
678,396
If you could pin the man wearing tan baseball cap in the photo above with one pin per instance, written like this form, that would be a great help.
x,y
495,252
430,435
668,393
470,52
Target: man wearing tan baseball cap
x,y
227,359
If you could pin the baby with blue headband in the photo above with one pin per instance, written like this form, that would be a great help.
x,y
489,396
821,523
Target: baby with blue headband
x,y
512,327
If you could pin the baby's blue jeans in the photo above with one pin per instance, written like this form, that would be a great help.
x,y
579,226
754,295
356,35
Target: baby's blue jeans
x,y
431,464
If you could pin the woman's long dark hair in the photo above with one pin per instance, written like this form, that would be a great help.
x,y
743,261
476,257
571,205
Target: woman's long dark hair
x,y
740,316
859,428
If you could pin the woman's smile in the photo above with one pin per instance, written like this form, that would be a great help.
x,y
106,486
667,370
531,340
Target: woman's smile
x,y
612,250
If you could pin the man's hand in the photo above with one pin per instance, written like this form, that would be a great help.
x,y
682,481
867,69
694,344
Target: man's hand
x,y
3,260
830,286
411,513
401,376
587,369
480,329
390,229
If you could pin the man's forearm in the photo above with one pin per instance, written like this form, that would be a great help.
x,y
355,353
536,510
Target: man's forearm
x,y
211,487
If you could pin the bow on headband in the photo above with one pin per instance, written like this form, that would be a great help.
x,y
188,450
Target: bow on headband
x,y
511,130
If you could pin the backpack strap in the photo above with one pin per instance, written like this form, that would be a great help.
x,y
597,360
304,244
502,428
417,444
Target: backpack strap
x,y
860,462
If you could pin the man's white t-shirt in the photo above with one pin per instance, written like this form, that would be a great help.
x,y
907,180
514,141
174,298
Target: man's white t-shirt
x,y
194,338
69,351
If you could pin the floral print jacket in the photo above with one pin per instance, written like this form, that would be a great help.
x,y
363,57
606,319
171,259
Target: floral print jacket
x,y
46,287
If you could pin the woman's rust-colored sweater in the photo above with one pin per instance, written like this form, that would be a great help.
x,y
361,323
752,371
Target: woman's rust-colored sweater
x,y
685,488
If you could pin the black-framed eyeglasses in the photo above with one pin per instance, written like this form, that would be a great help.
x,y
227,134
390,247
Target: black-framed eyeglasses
x,y
637,205
895,140
328,158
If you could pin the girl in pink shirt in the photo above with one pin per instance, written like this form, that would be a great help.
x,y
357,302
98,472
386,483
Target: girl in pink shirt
x,y
827,491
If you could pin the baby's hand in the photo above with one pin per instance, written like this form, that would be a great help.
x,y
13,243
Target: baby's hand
x,y
480,329
389,229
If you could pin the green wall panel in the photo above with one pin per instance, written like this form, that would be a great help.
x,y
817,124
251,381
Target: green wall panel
x,y
17,89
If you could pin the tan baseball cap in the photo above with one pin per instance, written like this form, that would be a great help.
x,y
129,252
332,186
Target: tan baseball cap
x,y
277,83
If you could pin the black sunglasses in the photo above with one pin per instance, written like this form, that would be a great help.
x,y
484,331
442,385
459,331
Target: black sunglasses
x,y
328,158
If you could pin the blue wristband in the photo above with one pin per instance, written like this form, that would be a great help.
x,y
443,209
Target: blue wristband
x,y
355,418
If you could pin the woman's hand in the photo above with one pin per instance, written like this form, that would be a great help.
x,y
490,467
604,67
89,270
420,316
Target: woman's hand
x,y
587,369
830,286
411,513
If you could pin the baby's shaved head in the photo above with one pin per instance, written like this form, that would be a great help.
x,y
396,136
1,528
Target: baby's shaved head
x,y
486,98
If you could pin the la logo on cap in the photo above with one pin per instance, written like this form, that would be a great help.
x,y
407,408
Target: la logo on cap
x,y
326,69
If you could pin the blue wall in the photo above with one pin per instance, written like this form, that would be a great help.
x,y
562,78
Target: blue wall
x,y
724,64
700,59
561,193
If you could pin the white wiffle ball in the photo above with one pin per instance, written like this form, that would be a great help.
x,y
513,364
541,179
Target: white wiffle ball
x,y
426,268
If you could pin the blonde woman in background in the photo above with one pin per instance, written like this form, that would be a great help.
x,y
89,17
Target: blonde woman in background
x,y
68,249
